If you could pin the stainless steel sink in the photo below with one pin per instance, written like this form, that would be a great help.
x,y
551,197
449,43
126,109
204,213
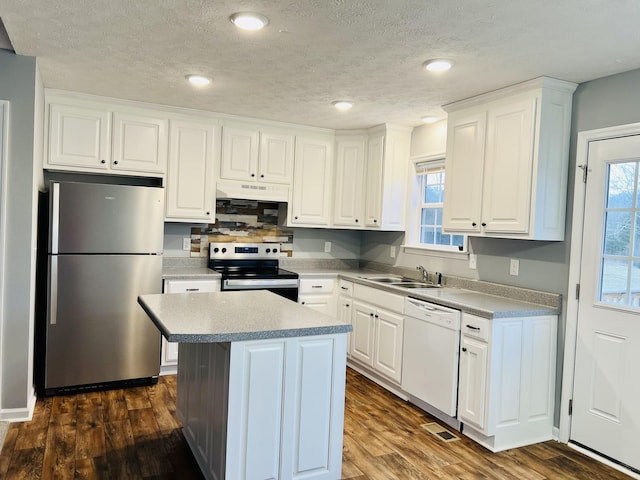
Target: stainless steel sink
x,y
385,279
415,285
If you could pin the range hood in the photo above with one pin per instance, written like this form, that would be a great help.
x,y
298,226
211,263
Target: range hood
x,y
251,191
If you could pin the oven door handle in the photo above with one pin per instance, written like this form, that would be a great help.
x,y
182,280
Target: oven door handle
x,y
255,284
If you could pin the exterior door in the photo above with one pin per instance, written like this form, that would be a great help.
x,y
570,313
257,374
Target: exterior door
x,y
606,417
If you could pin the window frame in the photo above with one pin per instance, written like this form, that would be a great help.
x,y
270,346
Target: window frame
x,y
416,204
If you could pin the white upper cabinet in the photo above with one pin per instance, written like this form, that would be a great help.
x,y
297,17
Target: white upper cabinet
x,y
386,177
91,137
190,189
313,182
349,184
79,137
507,162
371,178
253,155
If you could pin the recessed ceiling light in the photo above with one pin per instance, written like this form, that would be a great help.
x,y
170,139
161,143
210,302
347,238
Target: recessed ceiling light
x,y
438,65
198,80
342,104
429,119
249,21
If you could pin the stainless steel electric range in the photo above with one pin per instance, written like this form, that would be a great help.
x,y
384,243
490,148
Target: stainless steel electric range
x,y
252,266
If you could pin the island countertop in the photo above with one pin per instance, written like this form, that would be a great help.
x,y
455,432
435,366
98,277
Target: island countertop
x,y
234,316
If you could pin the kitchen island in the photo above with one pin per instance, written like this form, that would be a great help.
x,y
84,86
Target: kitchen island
x,y
260,383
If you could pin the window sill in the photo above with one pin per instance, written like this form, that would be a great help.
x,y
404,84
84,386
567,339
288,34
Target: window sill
x,y
434,252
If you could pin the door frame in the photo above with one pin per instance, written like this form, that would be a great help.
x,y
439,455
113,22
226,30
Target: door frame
x,y
4,155
577,226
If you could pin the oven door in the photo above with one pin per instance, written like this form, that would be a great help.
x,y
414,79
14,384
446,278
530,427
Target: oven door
x,y
285,287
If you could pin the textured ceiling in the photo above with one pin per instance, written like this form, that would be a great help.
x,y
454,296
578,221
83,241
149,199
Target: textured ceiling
x,y
317,51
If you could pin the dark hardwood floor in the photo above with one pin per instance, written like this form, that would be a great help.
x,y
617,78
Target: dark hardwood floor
x,y
134,434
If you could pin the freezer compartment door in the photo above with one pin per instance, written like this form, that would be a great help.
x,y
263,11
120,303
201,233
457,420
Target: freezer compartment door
x,y
96,218
96,331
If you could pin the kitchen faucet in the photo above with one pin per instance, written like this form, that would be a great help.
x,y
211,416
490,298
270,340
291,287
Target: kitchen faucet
x,y
425,274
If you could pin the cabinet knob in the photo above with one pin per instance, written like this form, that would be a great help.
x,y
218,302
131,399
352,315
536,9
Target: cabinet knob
x,y
375,221
347,305
302,303
253,175
464,349
103,161
262,175
295,218
484,224
115,162
208,213
356,220
376,316
473,224
371,314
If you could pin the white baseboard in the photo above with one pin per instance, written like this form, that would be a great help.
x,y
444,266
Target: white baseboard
x,y
21,414
604,460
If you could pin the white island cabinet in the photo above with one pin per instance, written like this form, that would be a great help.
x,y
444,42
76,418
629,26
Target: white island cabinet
x,y
261,383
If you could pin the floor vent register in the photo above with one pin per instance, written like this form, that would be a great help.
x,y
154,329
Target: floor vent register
x,y
440,432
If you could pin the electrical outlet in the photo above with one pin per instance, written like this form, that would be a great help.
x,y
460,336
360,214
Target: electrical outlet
x,y
514,267
473,261
327,247
186,243
392,251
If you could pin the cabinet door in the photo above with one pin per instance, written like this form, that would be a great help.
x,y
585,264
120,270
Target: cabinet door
x,y
388,344
239,159
321,303
276,158
170,349
508,163
472,386
139,143
190,180
464,167
345,312
79,137
374,184
313,178
362,337
350,159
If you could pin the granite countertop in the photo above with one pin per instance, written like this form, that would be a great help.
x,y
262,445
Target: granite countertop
x,y
469,301
234,316
173,273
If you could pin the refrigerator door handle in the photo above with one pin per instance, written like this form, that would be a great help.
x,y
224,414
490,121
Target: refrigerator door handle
x,y
53,291
55,216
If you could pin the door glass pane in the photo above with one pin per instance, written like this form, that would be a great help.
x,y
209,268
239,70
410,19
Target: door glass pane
x,y
620,260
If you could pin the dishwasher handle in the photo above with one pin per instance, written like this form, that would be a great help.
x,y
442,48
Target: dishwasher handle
x,y
429,307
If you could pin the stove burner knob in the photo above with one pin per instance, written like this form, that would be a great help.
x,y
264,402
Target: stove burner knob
x,y
215,250
224,250
275,250
268,250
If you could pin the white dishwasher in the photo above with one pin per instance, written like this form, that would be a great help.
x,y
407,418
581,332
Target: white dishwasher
x,y
431,351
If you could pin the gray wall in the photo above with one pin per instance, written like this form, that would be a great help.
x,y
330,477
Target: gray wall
x,y
19,83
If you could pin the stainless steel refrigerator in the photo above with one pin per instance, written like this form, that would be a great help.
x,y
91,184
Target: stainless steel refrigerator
x,y
104,249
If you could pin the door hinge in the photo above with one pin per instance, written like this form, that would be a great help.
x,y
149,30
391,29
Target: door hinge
x,y
585,171
577,291
571,407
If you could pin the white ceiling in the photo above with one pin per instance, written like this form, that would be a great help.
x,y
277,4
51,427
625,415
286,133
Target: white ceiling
x,y
317,51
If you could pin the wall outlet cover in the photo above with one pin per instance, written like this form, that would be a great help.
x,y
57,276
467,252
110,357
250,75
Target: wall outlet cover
x,y
392,251
186,243
327,247
473,261
514,267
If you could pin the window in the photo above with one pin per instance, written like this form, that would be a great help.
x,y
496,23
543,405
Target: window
x,y
428,198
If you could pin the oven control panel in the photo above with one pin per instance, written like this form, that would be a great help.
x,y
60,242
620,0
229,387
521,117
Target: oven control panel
x,y
243,250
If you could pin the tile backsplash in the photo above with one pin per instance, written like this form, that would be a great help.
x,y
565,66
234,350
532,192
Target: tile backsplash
x,y
242,221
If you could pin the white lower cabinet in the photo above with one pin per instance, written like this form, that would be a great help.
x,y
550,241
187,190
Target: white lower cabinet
x,y
377,335
345,308
264,408
169,355
318,292
507,380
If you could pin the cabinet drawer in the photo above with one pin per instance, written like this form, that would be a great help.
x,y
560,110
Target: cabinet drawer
x,y
345,288
476,327
184,286
379,297
316,285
